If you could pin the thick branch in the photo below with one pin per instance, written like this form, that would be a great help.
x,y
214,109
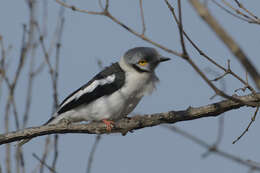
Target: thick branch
x,y
129,124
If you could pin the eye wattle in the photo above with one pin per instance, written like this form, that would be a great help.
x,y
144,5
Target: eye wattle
x,y
142,62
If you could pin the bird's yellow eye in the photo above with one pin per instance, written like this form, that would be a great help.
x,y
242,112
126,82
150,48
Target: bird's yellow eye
x,y
142,62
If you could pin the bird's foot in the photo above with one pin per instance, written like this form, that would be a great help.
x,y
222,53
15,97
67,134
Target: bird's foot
x,y
109,124
65,122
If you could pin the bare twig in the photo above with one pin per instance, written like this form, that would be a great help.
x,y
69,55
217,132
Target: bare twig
x,y
2,63
10,101
59,32
142,16
246,10
115,20
230,12
30,86
43,163
74,8
249,17
226,70
20,164
184,51
56,153
92,153
221,118
248,126
227,39
213,149
236,10
195,67
45,153
53,71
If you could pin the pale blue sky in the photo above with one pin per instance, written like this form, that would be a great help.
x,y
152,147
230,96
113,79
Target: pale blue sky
x,y
87,38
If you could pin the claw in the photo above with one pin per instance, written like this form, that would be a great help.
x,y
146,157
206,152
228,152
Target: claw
x,y
108,124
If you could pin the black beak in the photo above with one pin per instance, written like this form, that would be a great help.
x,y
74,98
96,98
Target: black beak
x,y
162,59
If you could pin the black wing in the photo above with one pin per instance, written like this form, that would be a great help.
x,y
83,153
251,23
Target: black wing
x,y
99,91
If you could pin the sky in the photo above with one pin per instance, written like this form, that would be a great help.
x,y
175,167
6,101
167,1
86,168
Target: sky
x,y
87,38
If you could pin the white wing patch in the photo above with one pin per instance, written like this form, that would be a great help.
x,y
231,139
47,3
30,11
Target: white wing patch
x,y
94,84
108,80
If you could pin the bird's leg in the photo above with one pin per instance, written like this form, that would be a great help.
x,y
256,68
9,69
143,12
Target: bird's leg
x,y
108,124
65,122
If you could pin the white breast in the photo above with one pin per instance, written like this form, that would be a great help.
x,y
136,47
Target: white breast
x,y
122,102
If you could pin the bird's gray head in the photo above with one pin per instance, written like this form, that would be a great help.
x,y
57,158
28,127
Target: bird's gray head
x,y
144,59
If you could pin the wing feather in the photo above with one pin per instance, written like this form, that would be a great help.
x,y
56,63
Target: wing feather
x,y
105,83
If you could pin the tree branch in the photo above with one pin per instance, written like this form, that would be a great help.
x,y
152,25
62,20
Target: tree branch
x,y
129,124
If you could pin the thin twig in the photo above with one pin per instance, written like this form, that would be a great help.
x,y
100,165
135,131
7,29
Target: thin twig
x,y
195,67
226,70
29,86
115,20
43,163
142,16
227,39
10,100
230,12
246,10
211,148
74,8
220,132
56,153
248,126
236,10
92,153
45,153
183,46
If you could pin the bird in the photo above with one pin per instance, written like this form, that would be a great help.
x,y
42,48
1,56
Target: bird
x,y
114,92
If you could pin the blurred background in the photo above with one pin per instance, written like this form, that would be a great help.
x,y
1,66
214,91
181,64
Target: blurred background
x,y
77,44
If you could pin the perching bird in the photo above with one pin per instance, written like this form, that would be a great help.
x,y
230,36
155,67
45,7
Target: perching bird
x,y
114,92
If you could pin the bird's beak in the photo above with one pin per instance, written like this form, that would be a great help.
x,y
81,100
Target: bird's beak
x,y
162,59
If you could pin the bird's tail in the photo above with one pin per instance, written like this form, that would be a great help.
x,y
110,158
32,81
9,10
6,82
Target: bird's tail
x,y
24,141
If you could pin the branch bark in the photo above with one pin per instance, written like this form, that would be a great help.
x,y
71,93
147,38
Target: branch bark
x,y
129,124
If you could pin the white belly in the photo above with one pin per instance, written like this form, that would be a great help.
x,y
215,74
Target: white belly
x,y
122,102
